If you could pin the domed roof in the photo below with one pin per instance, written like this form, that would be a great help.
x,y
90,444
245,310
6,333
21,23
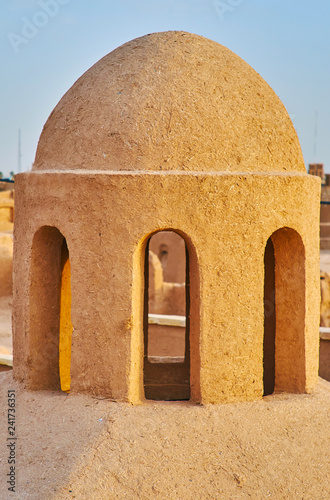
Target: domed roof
x,y
170,101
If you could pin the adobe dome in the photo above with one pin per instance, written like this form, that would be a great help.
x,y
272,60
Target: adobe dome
x,y
170,101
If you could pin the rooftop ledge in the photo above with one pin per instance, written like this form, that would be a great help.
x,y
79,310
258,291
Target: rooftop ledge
x,y
6,359
169,173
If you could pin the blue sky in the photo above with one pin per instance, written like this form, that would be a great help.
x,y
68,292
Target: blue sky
x,y
47,44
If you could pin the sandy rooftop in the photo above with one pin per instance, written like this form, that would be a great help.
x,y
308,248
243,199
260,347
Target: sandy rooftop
x,y
85,448
80,447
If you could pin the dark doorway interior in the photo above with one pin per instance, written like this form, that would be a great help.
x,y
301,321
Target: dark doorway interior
x,y
269,320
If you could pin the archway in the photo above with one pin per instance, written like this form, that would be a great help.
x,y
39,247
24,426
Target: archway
x,y
284,313
50,311
166,318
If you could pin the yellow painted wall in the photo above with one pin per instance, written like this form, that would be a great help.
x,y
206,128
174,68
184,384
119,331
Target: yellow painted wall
x,y
65,321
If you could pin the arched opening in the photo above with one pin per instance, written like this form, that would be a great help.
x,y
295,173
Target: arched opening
x,y
269,320
6,296
6,273
50,311
166,318
284,313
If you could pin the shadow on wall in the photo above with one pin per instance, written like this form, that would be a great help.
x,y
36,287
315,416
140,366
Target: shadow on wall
x,y
50,317
284,313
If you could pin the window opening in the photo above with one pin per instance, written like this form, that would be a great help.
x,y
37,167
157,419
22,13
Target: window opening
x,y
284,313
166,366
50,311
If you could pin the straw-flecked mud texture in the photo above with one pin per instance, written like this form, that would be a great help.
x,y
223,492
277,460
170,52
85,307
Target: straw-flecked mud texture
x,y
85,448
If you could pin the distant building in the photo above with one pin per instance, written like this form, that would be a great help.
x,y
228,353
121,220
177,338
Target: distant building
x,y
326,181
316,169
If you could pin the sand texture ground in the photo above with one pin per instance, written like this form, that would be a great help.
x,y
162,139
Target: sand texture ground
x,y
84,448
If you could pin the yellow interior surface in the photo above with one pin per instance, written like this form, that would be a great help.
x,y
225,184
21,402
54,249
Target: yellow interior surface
x,y
65,322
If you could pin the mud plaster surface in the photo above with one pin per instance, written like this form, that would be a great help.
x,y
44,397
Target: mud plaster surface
x,y
226,239
170,101
325,260
5,323
275,448
84,448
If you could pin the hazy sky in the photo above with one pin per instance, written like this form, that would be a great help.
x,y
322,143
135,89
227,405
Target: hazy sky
x,y
47,44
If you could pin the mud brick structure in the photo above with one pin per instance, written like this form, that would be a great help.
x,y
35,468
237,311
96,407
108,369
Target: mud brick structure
x,y
172,132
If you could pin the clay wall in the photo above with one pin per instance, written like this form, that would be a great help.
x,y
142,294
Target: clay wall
x,y
170,249
6,263
316,169
6,210
324,370
164,298
325,194
225,230
325,214
325,226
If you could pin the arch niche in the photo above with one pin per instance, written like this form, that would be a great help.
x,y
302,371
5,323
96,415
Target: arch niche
x,y
50,311
284,313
